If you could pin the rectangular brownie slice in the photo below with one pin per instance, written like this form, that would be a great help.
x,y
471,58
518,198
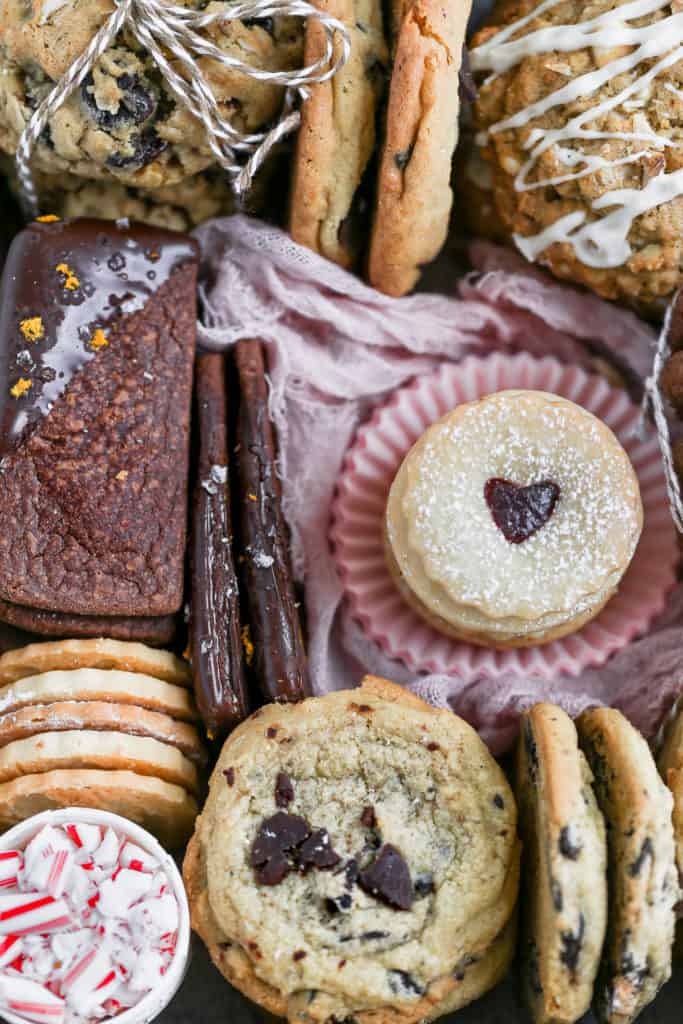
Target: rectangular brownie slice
x,y
97,339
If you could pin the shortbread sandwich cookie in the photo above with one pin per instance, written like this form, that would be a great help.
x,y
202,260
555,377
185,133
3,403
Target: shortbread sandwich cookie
x,y
106,751
163,808
564,907
357,847
92,684
512,520
62,716
337,136
100,653
643,879
414,197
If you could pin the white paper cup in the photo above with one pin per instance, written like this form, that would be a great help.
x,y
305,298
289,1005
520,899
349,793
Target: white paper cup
x,y
151,1005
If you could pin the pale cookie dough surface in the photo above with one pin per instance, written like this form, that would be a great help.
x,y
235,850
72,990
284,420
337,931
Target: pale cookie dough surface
x,y
670,764
100,653
124,123
337,137
564,909
414,197
450,553
376,769
109,685
643,880
165,809
62,716
90,748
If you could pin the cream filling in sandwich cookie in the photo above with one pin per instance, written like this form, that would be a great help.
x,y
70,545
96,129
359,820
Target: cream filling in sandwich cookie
x,y
512,520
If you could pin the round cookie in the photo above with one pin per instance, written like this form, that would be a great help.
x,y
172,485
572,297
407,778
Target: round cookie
x,y
101,653
564,908
164,809
124,123
414,197
583,140
336,140
107,751
512,519
93,684
354,848
642,875
670,764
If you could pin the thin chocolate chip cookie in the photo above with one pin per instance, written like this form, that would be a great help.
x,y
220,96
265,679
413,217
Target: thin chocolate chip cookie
x,y
642,875
565,906
414,197
337,136
357,856
124,122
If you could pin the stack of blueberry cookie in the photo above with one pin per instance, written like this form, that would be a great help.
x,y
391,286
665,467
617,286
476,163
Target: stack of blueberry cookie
x,y
357,859
600,877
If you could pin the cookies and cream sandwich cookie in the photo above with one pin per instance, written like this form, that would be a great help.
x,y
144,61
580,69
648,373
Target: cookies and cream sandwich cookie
x,y
642,874
356,855
414,198
564,907
512,520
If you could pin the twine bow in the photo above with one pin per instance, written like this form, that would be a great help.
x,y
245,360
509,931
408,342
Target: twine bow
x,y
163,28
653,403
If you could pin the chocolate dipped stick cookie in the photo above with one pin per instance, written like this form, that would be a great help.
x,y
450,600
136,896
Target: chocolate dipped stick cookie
x,y
97,335
279,655
215,625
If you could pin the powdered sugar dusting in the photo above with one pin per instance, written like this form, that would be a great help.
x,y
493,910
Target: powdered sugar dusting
x,y
523,437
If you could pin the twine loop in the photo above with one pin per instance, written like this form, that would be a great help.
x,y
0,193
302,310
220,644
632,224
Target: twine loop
x,y
164,29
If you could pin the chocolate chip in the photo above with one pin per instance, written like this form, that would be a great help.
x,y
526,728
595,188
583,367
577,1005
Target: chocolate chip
x,y
277,837
467,89
636,973
531,750
424,885
284,790
317,852
403,159
271,732
534,969
462,965
351,871
568,848
147,146
267,24
388,879
636,866
137,103
498,801
372,936
368,818
230,776
572,943
556,891
361,709
401,982
299,955
334,904
432,747
342,963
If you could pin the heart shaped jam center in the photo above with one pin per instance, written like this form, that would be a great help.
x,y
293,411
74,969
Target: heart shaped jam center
x,y
518,511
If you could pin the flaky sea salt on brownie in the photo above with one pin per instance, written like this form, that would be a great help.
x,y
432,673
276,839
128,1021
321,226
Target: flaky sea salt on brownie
x,y
97,337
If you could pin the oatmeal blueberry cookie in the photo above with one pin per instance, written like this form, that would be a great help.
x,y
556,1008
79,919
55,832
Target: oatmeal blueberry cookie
x,y
337,137
414,197
642,875
123,122
565,888
356,853
579,115
512,520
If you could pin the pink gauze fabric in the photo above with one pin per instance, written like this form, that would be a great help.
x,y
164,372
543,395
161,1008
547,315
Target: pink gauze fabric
x,y
336,348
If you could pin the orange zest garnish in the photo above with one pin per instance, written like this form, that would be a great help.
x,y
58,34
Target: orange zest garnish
x,y
23,385
32,328
71,282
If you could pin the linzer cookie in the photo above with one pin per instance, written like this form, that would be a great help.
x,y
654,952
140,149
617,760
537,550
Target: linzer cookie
x,y
357,853
97,333
215,633
276,641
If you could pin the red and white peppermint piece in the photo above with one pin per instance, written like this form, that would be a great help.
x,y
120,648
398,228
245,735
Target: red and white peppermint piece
x,y
10,948
10,864
119,893
137,859
22,913
60,872
85,837
91,981
30,999
107,853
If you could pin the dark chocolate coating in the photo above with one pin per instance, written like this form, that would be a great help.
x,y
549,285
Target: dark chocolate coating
x,y
217,667
93,495
279,655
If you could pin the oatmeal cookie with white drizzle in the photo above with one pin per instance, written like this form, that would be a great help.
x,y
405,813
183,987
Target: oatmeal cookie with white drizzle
x,y
579,115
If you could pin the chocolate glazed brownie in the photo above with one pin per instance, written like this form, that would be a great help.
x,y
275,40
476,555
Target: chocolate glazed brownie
x,y
97,338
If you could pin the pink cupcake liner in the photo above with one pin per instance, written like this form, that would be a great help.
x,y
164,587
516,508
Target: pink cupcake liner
x,y
369,469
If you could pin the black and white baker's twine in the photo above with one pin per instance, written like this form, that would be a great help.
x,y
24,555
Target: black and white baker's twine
x,y
169,32
653,403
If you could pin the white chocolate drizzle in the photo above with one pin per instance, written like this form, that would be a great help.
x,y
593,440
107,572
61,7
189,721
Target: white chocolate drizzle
x,y
601,242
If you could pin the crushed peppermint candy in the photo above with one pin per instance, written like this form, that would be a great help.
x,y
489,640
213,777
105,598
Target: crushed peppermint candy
x,y
88,925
